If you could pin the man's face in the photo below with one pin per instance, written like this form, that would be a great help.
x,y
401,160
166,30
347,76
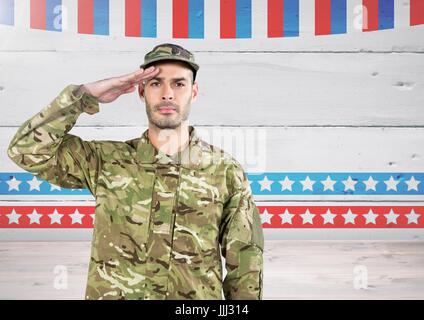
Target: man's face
x,y
168,96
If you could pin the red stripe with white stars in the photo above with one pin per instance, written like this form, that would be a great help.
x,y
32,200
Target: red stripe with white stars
x,y
272,216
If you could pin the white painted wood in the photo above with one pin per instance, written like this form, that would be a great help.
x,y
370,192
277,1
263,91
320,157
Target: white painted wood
x,y
254,89
310,234
325,270
292,269
286,149
62,234
46,199
403,38
7,235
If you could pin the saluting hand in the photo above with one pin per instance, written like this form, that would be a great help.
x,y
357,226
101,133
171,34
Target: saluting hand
x,y
108,90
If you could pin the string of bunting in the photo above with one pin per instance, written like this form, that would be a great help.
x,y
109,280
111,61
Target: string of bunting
x,y
188,17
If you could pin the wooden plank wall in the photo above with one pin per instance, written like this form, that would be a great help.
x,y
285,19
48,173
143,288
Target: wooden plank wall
x,y
346,105
293,269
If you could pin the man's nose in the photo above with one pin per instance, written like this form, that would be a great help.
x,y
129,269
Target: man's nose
x,y
168,93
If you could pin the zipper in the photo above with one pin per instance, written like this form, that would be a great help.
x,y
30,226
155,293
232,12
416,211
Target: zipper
x,y
174,218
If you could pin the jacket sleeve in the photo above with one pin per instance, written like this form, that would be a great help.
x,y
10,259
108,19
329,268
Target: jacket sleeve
x,y
43,146
242,243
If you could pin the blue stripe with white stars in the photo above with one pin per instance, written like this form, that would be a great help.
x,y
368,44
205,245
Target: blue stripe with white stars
x,y
269,183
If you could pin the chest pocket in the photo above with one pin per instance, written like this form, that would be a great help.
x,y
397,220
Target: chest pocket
x,y
165,189
126,197
199,203
137,219
163,212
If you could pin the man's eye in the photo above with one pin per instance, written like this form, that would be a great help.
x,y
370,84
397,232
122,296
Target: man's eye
x,y
180,84
154,83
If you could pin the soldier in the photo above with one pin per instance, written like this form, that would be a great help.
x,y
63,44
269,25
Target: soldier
x,y
168,205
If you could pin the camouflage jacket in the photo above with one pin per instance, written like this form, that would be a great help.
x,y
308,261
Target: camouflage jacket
x,y
161,222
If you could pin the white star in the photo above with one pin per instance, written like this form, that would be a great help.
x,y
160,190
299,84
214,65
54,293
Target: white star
x,y
55,217
307,184
13,217
286,184
391,217
307,217
349,184
412,184
349,217
34,184
329,217
370,184
13,184
413,217
265,183
76,217
54,187
391,184
370,217
93,216
266,217
286,217
34,217
328,184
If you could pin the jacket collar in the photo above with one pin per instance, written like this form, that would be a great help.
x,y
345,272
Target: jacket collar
x,y
197,155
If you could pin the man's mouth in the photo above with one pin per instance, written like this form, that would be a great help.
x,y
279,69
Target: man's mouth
x,y
167,109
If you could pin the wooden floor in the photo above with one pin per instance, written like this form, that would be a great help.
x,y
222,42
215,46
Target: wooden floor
x,y
293,269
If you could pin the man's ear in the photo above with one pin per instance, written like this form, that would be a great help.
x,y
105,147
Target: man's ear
x,y
141,92
195,91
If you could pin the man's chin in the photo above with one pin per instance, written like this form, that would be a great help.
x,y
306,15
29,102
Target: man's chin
x,y
166,125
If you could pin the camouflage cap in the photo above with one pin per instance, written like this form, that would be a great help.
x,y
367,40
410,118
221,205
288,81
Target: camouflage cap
x,y
169,51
